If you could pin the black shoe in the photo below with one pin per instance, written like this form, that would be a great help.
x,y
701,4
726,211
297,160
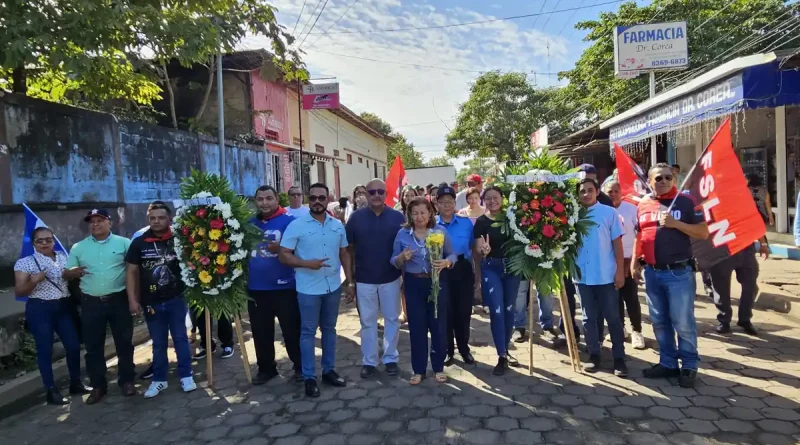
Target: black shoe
x,y
367,371
512,362
227,352
620,368
147,374
264,376
519,335
202,353
468,358
96,396
723,328
55,398
78,388
298,376
502,365
748,329
312,390
449,360
687,378
660,372
392,369
593,365
333,379
560,342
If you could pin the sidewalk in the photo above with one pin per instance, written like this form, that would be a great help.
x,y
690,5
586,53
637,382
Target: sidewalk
x,y
748,392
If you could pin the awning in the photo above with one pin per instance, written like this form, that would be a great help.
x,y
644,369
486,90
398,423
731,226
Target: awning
x,y
750,82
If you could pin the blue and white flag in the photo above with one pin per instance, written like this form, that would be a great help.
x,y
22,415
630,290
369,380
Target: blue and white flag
x,y
32,222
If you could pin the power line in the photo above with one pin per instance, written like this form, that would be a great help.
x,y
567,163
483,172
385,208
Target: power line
x,y
298,17
479,22
315,24
334,24
310,17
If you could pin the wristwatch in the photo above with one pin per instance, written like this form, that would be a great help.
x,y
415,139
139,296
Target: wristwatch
x,y
351,284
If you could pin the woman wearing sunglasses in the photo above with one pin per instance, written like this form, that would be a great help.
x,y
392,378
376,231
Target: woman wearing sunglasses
x,y
40,278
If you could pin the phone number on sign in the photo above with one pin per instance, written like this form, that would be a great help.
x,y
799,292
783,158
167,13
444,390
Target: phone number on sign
x,y
669,62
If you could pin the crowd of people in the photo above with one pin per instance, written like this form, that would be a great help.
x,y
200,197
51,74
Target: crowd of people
x,y
295,275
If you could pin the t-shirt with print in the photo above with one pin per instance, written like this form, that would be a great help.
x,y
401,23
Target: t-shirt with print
x,y
662,245
484,227
159,272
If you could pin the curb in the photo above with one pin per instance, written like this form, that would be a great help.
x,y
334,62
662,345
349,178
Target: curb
x,y
30,384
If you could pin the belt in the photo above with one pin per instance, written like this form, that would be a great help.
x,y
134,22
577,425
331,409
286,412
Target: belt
x,y
673,266
106,298
420,275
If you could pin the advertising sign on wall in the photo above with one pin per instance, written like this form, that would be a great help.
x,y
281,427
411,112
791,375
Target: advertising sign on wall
x,y
656,46
321,96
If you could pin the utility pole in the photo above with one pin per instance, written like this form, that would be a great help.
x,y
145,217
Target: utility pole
x,y
654,138
221,130
300,126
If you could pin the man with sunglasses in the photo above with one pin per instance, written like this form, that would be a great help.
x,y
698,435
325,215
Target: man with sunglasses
x,y
664,249
315,245
370,233
296,207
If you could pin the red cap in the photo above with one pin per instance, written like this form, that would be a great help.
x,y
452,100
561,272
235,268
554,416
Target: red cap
x,y
475,179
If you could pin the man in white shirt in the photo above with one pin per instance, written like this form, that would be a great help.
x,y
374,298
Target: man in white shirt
x,y
629,293
296,207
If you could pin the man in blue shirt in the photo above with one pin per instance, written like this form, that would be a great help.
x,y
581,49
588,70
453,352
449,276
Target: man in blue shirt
x,y
370,235
316,246
272,292
461,279
601,264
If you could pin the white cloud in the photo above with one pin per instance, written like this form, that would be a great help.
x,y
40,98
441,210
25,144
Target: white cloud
x,y
404,94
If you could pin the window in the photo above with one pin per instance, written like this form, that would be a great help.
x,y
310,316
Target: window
x,y
271,135
336,153
319,148
349,158
367,163
360,160
296,141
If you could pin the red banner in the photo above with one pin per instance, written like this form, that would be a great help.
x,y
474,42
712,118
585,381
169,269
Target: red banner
x,y
395,182
631,178
717,184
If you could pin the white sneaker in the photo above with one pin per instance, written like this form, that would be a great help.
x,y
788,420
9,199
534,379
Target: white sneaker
x,y
188,384
637,340
154,389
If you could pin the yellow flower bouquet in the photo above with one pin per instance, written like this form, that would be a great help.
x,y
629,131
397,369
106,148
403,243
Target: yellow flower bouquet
x,y
435,245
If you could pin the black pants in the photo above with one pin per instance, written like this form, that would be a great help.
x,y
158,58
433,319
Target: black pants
x,y
628,297
224,330
263,307
461,283
96,313
745,265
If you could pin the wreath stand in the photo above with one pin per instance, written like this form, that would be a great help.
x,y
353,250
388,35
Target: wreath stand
x,y
567,316
237,325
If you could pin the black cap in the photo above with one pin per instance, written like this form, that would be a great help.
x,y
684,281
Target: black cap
x,y
587,168
446,190
97,212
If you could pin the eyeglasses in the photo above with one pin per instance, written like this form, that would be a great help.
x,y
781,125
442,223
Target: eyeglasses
x,y
47,240
296,195
315,198
663,178
377,192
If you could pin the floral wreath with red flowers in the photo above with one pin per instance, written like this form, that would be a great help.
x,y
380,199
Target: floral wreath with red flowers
x,y
544,220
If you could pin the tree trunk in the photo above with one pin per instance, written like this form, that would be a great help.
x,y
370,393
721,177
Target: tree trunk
x,y
167,82
20,80
208,90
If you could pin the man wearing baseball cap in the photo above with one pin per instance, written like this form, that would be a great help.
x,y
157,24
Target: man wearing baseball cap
x,y
473,180
99,262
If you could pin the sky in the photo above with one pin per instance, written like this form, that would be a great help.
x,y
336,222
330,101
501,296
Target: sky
x,y
417,78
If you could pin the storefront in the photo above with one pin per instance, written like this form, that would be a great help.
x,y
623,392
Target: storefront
x,y
760,93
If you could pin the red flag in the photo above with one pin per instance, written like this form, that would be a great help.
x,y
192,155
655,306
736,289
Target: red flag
x,y
717,184
395,182
631,178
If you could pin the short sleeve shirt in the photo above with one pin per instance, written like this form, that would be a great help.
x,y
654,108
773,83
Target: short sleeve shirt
x,y
661,245
483,227
105,262
460,229
312,240
596,259
372,237
55,286
159,272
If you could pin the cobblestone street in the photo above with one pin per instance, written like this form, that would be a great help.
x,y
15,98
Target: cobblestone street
x,y
748,392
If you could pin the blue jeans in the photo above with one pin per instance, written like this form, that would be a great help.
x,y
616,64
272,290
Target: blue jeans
x,y
422,318
169,317
601,302
44,317
318,311
670,296
499,290
545,308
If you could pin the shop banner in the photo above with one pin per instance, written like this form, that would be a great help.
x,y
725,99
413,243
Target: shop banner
x,y
632,180
717,184
395,182
651,46
321,96
716,100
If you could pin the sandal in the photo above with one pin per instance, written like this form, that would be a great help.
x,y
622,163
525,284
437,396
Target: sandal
x,y
440,377
416,379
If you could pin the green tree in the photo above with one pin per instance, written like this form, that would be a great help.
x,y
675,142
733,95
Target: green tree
x,y
479,166
439,161
502,111
378,124
411,157
719,30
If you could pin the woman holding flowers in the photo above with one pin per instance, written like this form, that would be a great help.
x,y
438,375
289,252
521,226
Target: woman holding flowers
x,y
423,251
499,287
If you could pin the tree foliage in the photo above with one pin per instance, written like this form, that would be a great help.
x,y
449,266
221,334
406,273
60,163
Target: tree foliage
x,y
439,161
725,24
118,49
411,157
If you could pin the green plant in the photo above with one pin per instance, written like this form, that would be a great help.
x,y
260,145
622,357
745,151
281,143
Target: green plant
x,y
25,357
283,199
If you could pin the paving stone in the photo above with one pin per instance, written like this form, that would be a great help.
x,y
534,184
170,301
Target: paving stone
x,y
389,426
638,401
600,400
308,418
673,401
216,432
620,426
563,437
516,411
710,401
428,401
424,425
579,390
780,414
241,419
567,400
776,439
777,426
352,393
656,426
678,391
364,439
647,439
394,402
329,439
604,439
282,430
330,405
589,412
741,413
539,424
665,413
264,441
735,426
445,412
363,402
626,412
374,413
696,426
696,412
746,402
521,437
482,411
501,423
712,391
684,438
749,391
482,437
463,424
780,402
340,415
